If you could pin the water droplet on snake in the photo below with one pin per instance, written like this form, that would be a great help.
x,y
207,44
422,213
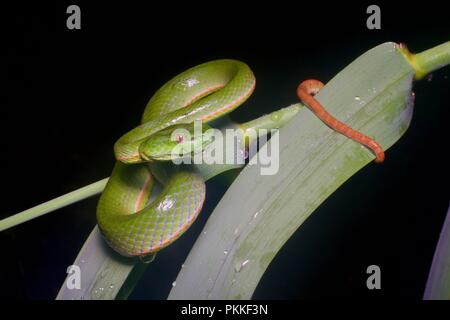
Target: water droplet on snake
x,y
166,204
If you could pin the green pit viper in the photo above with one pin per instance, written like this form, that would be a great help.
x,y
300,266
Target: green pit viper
x,y
135,226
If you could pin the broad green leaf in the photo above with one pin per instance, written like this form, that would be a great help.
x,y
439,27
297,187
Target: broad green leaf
x,y
258,214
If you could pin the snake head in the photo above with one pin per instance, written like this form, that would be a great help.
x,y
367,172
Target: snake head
x,y
176,142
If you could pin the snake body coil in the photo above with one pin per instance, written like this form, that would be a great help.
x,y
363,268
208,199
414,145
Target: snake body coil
x,y
130,224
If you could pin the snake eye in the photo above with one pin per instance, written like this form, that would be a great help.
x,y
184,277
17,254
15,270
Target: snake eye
x,y
179,138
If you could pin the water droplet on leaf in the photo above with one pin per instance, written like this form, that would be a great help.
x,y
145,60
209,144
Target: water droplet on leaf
x,y
239,265
275,116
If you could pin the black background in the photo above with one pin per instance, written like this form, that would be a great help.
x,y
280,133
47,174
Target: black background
x,y
67,95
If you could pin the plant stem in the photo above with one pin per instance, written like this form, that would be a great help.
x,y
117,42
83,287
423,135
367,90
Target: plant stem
x,y
428,60
60,202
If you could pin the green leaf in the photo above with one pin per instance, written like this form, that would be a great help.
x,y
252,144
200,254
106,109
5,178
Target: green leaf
x,y
438,284
258,214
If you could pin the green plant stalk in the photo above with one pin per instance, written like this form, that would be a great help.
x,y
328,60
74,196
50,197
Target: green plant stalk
x,y
54,204
429,60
